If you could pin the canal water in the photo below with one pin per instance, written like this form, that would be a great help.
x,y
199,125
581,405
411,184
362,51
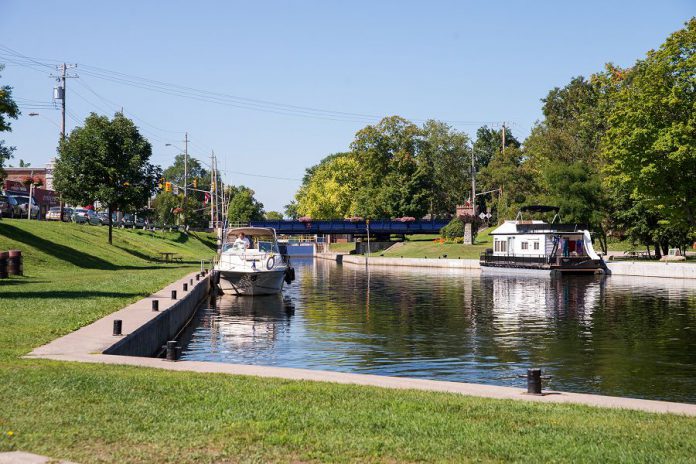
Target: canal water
x,y
623,336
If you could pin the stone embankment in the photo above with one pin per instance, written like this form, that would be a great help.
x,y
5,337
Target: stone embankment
x,y
675,270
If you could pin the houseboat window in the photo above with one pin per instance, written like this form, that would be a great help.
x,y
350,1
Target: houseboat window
x,y
500,246
536,245
525,246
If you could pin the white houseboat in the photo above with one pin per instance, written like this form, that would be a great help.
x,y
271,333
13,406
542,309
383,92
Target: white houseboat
x,y
535,245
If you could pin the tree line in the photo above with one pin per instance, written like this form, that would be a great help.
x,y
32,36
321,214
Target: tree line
x,y
615,150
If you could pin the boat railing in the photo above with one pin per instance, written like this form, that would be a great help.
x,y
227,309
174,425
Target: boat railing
x,y
488,258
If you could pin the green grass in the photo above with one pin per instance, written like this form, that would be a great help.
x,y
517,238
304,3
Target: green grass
x,y
99,413
425,246
342,247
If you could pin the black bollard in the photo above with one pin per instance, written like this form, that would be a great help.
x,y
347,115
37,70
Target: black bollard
x,y
534,381
185,287
198,277
172,350
191,282
118,326
155,305
173,294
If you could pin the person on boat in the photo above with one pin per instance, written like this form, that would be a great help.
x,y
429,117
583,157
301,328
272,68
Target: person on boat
x,y
243,241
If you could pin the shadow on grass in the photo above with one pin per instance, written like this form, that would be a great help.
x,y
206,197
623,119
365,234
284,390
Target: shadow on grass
x,y
71,294
20,281
62,252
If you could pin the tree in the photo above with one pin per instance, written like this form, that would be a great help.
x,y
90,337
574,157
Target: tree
x,y
274,216
651,144
175,172
510,172
8,110
445,156
291,210
489,142
243,207
107,161
329,190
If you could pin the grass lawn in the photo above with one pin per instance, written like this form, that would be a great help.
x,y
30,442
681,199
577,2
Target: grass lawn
x,y
97,413
425,246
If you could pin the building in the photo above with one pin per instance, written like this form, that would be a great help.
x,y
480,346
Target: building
x,y
18,182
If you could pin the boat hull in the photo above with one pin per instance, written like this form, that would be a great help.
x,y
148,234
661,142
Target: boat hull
x,y
253,283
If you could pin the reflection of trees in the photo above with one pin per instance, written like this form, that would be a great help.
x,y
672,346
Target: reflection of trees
x,y
614,335
591,333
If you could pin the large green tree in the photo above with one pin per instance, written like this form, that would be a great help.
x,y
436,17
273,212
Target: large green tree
x,y
329,190
489,142
106,160
650,145
243,207
8,110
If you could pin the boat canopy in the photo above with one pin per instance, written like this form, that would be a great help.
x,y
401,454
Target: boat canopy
x,y
251,231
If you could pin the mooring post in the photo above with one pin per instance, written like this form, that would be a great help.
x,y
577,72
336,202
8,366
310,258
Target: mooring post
x,y
191,281
185,287
173,294
534,381
118,326
198,277
155,305
172,350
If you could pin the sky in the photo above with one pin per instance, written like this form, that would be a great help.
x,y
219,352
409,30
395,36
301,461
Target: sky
x,y
273,87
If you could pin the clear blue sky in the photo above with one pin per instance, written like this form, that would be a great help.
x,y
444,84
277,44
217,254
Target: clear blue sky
x,y
455,61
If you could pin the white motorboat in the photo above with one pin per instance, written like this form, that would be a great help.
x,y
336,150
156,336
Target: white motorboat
x,y
250,262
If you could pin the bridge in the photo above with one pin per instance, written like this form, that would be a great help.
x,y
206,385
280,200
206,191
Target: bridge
x,y
377,227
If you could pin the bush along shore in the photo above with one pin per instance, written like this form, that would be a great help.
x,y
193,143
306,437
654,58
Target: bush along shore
x,y
103,413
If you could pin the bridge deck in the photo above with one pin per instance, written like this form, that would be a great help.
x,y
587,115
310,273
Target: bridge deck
x,y
380,226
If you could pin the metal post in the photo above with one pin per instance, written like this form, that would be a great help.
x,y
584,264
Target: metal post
x,y
172,350
185,176
185,287
173,294
118,326
534,381
155,305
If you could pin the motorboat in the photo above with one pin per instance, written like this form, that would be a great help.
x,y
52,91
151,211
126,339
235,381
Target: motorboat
x,y
250,262
534,245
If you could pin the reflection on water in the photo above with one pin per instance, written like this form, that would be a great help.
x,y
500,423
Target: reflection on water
x,y
618,336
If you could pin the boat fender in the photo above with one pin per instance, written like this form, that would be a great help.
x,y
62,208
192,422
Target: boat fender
x,y
270,264
288,277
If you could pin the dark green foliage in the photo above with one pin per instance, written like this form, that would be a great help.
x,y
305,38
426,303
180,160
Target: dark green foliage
x,y
243,207
8,110
455,229
106,161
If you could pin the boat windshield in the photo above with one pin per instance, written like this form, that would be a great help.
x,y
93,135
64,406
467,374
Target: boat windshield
x,y
261,244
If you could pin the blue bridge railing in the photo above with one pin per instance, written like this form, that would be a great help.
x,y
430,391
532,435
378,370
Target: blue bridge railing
x,y
377,226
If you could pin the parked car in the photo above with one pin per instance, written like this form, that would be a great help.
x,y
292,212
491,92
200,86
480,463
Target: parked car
x,y
103,218
139,222
4,206
53,214
93,218
80,216
20,206
127,220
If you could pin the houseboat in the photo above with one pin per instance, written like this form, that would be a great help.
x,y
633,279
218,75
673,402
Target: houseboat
x,y
538,246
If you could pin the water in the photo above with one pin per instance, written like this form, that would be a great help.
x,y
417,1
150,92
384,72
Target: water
x,y
622,336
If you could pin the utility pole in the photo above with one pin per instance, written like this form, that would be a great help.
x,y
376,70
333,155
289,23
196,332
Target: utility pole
x,y
212,190
59,94
186,141
473,180
503,137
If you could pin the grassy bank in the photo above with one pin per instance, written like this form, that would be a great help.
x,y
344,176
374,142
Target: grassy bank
x,y
94,413
429,246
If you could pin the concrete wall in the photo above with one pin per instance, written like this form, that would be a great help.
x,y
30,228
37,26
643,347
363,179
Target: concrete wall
x,y
652,269
148,339
414,262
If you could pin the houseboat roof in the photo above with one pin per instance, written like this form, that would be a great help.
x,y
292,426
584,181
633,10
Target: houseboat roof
x,y
536,227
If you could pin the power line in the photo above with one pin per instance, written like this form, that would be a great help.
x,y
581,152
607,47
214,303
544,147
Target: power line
x,y
231,100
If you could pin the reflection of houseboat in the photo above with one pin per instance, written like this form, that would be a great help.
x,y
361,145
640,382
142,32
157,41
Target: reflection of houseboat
x,y
540,246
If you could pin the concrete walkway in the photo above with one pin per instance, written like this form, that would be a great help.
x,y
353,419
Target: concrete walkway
x,y
20,457
88,343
